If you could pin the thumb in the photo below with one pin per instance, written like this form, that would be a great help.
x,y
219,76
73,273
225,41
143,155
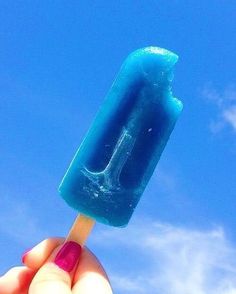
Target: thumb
x,y
55,276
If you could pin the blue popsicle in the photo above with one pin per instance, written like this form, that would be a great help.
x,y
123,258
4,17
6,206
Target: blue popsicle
x,y
117,157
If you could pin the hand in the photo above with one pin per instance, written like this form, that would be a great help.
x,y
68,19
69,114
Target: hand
x,y
53,267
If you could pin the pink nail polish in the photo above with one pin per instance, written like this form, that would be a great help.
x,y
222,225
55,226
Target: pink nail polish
x,y
24,255
68,256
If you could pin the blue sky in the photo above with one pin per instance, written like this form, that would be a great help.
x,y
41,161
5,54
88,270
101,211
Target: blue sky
x,y
57,62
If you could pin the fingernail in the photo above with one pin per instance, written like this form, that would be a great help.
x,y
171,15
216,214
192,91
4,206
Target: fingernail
x,y
68,256
24,255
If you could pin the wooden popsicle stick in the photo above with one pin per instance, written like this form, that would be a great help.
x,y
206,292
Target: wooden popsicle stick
x,y
81,229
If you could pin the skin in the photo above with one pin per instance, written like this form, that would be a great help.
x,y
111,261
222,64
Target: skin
x,y
40,275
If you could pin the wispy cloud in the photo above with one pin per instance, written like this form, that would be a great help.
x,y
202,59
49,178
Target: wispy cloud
x,y
177,260
17,220
225,101
230,116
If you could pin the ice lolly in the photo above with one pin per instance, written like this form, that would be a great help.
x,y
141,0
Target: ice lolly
x,y
117,157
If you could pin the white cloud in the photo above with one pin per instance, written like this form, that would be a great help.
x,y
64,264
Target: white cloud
x,y
216,126
17,220
225,101
177,260
230,116
128,284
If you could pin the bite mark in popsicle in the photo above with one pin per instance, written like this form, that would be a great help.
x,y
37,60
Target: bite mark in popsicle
x,y
120,151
